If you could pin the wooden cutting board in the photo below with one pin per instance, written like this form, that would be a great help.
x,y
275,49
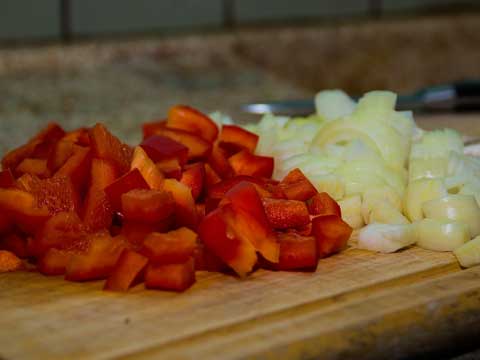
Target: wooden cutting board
x,y
354,303
357,304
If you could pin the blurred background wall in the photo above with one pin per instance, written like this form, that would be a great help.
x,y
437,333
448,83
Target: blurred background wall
x,y
22,20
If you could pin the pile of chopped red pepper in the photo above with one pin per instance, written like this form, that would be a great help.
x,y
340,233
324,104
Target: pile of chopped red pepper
x,y
190,197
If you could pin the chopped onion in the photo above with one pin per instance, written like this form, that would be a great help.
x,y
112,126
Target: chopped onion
x,y
441,235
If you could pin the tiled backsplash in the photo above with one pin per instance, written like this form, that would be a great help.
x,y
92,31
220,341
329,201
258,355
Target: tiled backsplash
x,y
28,19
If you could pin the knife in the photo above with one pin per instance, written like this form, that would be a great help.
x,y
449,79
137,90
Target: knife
x,y
455,97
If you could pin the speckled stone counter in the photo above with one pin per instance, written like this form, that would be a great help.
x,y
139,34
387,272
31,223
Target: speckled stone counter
x,y
124,83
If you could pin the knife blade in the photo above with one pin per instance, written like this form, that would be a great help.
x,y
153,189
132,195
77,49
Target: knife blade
x,y
455,97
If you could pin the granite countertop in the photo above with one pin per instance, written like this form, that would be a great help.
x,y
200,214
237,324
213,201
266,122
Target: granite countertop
x,y
126,82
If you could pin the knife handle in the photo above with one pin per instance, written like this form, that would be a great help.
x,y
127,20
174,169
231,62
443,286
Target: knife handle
x,y
467,95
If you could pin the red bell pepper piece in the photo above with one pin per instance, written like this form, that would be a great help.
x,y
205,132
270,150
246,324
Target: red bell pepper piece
x,y
217,236
150,128
98,261
198,148
77,167
152,175
171,168
6,179
297,187
233,138
185,210
131,180
136,232
248,220
174,247
36,167
97,210
194,177
150,206
188,119
297,252
206,260
323,204
14,243
175,277
218,160
332,234
9,262
108,147
200,211
63,231
127,269
20,207
60,154
48,136
245,163
218,190
211,176
284,214
79,136
56,194
54,262
160,148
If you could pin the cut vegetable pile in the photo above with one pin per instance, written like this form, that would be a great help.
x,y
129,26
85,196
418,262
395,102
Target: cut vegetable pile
x,y
406,185
200,193
192,196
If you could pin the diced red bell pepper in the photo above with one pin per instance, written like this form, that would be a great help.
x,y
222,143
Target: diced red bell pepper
x,y
152,175
127,269
218,190
207,261
332,234
218,160
54,262
20,207
198,148
188,119
194,177
108,147
51,134
36,167
303,230
297,187
323,204
175,277
14,243
284,214
6,179
77,167
174,247
150,206
185,210
171,168
211,177
200,211
60,154
56,194
79,136
97,210
98,261
150,128
131,180
245,163
249,221
63,231
233,138
237,252
9,262
297,252
160,148
6,225
136,232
